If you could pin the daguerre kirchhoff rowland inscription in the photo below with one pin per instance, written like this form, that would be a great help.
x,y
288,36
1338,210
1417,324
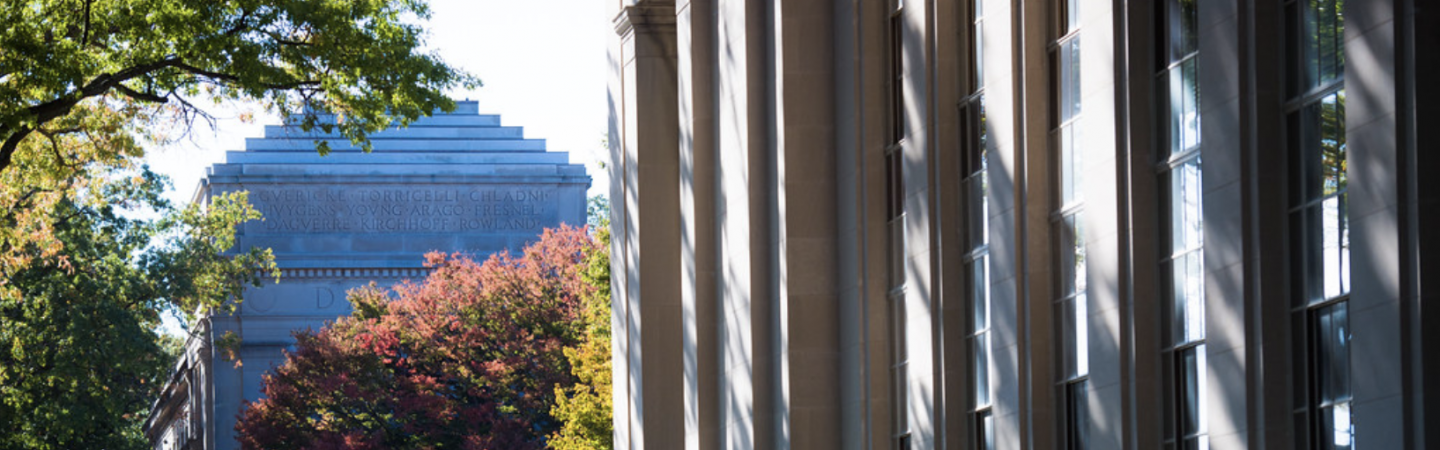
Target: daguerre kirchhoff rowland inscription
x,y
405,209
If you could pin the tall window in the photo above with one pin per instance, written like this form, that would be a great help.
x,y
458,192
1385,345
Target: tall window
x,y
1070,310
1179,168
900,361
895,224
1319,223
973,166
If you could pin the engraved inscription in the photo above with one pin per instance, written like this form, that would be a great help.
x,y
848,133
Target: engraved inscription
x,y
431,209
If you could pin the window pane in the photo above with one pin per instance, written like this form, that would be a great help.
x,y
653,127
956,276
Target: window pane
x,y
1190,115
982,370
1311,34
978,213
1293,48
1300,334
1072,77
1187,219
1077,411
897,252
1335,247
1308,254
1074,337
980,298
1337,8
1189,297
1065,322
1189,34
1334,376
1192,388
1072,20
1295,135
1317,31
1336,430
1312,170
1177,111
1069,165
979,52
987,431
1332,143
984,132
897,328
1072,256
1189,393
1325,38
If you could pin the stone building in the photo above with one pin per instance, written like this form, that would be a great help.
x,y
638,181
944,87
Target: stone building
x,y
1025,224
450,182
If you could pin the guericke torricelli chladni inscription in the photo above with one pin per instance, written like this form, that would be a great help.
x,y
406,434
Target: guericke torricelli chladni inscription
x,y
429,209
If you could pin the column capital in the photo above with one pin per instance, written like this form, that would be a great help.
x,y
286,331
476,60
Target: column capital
x,y
645,17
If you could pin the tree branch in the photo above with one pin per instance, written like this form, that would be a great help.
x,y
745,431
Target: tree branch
x,y
12,142
55,148
85,36
142,96
232,78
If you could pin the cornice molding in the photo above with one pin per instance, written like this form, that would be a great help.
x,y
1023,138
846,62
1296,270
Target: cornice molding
x,y
645,17
367,273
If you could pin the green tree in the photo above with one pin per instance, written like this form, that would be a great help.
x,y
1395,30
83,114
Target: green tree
x,y
80,361
83,81
584,409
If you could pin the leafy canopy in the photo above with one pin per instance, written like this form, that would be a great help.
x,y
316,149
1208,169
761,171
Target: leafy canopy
x,y
80,362
473,357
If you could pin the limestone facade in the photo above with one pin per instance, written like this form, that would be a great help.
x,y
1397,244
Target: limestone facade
x,y
1024,224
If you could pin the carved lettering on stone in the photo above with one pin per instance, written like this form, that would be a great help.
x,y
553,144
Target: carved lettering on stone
x,y
404,209
324,298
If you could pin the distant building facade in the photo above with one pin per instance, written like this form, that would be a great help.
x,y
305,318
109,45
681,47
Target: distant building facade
x,y
450,182
1028,224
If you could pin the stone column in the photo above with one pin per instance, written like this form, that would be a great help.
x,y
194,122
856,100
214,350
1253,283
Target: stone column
x,y
649,409
695,30
1003,109
1228,307
742,195
1034,335
808,395
1377,297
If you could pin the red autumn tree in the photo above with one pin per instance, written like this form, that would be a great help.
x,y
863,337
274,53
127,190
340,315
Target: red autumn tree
x,y
469,359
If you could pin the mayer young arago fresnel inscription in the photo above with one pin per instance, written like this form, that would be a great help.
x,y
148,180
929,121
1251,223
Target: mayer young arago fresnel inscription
x,y
451,182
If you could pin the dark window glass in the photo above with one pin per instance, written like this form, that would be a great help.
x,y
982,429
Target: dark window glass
x,y
1077,416
1331,340
1315,41
987,431
897,79
899,369
1320,229
1190,396
895,215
